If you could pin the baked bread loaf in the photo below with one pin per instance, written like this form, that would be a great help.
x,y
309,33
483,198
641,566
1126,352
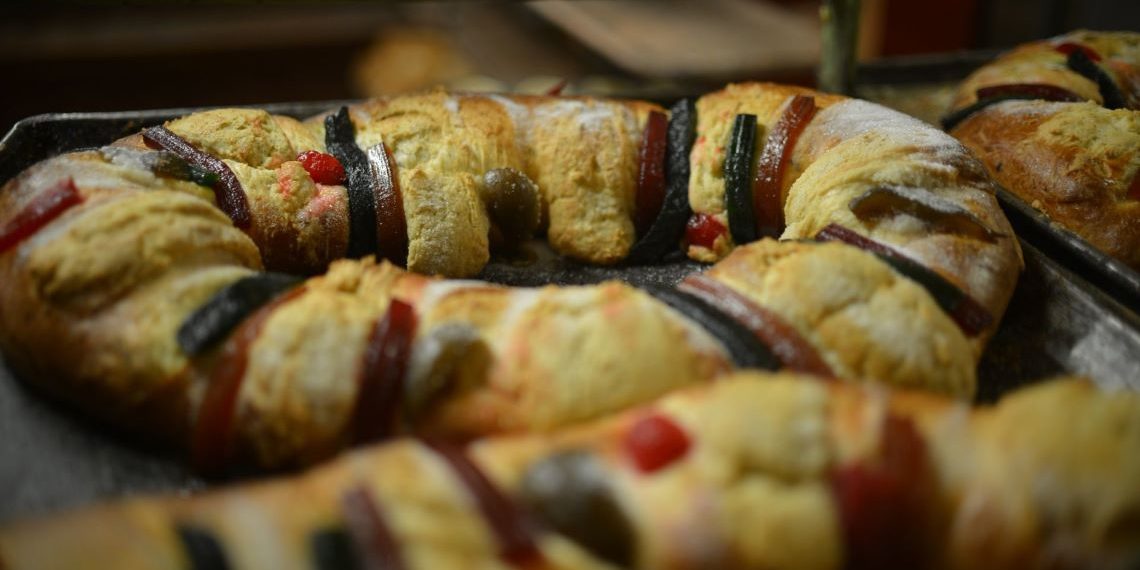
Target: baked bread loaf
x,y
1057,122
853,148
756,471
135,293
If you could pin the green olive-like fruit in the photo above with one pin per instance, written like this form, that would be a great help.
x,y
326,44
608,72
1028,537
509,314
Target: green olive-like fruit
x,y
569,492
512,203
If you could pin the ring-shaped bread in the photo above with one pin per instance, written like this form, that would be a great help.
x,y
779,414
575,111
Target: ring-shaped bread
x,y
94,299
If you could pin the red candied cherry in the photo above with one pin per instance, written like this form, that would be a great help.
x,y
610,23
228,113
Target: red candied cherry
x,y
323,168
44,208
703,229
654,442
1068,48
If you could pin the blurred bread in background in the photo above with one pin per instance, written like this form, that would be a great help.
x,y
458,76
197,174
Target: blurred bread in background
x,y
407,59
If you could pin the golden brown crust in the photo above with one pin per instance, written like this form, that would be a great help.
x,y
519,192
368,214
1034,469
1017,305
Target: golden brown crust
x,y
70,288
526,359
715,114
1041,62
584,159
866,321
860,147
563,355
299,226
1072,161
851,147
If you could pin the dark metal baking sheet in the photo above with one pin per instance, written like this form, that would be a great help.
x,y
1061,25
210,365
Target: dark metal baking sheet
x,y
1072,251
52,459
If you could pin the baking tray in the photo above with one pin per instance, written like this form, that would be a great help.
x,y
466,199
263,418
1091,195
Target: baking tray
x,y
929,80
50,458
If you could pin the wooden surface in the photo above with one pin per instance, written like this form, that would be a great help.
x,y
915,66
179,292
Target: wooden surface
x,y
676,38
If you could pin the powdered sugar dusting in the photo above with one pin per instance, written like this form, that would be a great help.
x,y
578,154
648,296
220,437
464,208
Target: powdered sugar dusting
x,y
436,290
854,117
591,115
520,115
451,104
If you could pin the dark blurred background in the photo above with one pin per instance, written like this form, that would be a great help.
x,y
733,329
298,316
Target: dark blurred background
x,y
61,58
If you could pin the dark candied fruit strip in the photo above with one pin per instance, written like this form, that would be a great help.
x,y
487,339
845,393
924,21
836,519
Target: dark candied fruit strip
x,y
1068,48
203,551
557,89
514,531
391,225
513,203
160,162
767,198
650,196
332,549
1080,62
703,230
946,216
383,373
227,191
785,342
435,363
970,315
987,96
322,168
665,234
963,309
884,503
210,323
211,444
742,346
39,212
836,232
738,164
654,442
200,176
372,540
1029,90
340,139
570,493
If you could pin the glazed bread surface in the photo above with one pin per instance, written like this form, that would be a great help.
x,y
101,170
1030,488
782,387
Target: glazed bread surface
x,y
1076,162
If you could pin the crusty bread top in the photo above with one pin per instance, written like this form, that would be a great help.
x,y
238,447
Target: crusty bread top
x,y
866,320
1072,161
858,146
1040,62
848,148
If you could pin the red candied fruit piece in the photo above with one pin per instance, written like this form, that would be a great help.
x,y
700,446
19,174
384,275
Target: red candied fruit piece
x,y
767,199
42,209
651,172
211,446
884,505
557,89
383,372
1068,48
703,229
369,531
654,442
323,168
1036,90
